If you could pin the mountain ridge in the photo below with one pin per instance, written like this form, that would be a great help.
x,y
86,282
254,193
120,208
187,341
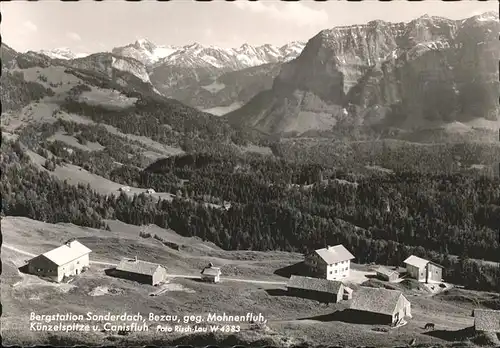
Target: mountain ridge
x,y
190,72
403,75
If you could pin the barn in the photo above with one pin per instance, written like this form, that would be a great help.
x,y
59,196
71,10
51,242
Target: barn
x,y
424,270
486,320
380,306
211,274
323,290
387,274
67,260
140,271
332,262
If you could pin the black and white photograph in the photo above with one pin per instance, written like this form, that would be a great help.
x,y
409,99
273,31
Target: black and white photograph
x,y
250,173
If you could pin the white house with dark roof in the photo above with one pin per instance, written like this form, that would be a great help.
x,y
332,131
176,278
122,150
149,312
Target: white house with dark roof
x,y
380,306
332,262
140,271
486,320
424,270
67,260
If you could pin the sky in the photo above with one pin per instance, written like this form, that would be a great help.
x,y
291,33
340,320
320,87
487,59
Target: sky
x,y
87,26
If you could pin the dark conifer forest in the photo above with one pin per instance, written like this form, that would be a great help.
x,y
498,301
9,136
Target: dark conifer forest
x,y
243,200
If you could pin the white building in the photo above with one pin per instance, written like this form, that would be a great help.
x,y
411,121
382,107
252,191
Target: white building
x,y
332,262
65,261
423,270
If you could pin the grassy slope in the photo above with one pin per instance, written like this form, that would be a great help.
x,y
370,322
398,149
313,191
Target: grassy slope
x,y
76,175
448,312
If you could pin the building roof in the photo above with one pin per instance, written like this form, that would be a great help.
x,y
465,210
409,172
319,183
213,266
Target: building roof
x,y
333,254
419,262
211,271
67,252
416,261
314,284
386,271
487,320
375,300
137,266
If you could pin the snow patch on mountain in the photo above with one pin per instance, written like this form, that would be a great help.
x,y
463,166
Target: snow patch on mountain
x,y
199,56
222,110
214,87
487,16
62,53
145,51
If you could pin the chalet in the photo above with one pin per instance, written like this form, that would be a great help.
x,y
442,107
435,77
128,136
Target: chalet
x,y
211,274
324,290
150,191
380,306
125,189
332,262
387,274
140,271
424,270
486,320
65,261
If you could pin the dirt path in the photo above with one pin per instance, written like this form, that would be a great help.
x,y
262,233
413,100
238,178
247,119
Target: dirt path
x,y
185,276
17,250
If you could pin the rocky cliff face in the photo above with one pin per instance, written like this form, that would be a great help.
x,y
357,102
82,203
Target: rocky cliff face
x,y
425,73
8,56
105,63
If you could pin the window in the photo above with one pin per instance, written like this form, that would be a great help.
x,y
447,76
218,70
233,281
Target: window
x,y
331,272
336,263
77,262
335,271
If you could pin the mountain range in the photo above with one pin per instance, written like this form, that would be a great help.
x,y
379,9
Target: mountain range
x,y
383,79
429,73
204,77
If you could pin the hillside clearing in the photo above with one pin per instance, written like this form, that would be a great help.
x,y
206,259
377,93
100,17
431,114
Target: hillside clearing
x,y
75,175
72,141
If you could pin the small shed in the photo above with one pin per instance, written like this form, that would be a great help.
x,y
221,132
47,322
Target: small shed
x,y
324,290
141,271
150,191
211,274
380,306
387,274
486,320
124,189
